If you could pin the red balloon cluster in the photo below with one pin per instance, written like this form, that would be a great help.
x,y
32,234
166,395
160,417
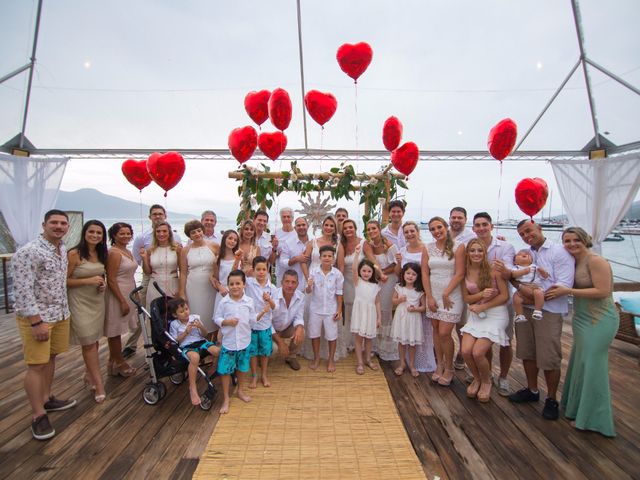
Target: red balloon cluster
x,y
531,195
502,138
354,59
321,106
243,142
165,169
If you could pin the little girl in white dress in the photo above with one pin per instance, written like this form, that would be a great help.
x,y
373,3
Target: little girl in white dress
x,y
406,328
366,314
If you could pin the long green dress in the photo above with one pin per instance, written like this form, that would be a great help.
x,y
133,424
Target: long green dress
x,y
586,397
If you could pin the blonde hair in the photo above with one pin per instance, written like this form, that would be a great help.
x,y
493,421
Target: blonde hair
x,y
582,235
448,243
484,276
244,224
154,242
411,222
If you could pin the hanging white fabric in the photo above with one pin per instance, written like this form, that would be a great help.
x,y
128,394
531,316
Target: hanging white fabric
x,y
597,193
29,187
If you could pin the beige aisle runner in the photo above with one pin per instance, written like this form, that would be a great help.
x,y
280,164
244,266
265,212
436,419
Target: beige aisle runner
x,y
312,425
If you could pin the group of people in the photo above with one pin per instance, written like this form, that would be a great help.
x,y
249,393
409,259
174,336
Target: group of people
x,y
247,294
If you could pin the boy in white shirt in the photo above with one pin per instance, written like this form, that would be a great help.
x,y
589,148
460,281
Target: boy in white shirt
x,y
262,292
235,315
325,308
190,333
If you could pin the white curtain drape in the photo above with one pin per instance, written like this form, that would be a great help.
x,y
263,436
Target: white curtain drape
x,y
28,189
597,193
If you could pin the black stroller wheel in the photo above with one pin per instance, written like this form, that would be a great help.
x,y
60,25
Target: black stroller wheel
x,y
205,402
151,394
177,378
162,390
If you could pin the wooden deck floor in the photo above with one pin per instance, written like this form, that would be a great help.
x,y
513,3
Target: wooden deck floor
x,y
454,437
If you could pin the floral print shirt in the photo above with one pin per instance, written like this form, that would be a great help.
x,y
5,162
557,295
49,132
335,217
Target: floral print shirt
x,y
40,281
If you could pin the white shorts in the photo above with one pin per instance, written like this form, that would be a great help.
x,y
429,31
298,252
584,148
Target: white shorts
x,y
317,321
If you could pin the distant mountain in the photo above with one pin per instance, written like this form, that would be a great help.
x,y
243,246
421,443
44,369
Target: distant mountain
x,y
96,204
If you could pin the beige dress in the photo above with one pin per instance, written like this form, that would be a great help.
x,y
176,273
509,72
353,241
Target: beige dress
x,y
164,270
87,305
115,324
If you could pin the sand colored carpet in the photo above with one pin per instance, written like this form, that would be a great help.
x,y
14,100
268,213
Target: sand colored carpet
x,y
312,425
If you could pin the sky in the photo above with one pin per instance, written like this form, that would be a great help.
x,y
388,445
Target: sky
x,y
167,75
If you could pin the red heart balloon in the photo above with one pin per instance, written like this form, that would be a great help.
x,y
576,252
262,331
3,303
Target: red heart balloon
x,y
391,133
257,105
280,109
502,138
243,142
136,173
405,158
321,106
166,169
531,195
272,144
354,59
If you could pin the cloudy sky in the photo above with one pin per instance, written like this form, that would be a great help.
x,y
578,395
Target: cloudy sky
x,y
170,75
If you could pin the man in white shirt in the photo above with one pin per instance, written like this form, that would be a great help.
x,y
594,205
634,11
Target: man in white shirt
x,y
209,221
157,215
293,250
393,231
282,235
500,256
263,239
539,344
288,318
457,225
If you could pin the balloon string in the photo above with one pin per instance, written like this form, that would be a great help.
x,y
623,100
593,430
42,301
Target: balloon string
x,y
141,219
321,144
499,195
355,83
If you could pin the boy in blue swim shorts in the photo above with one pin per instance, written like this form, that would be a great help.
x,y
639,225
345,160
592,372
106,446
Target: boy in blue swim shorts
x,y
190,333
235,315
261,291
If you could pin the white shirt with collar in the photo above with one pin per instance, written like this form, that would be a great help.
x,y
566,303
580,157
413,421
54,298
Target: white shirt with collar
x,y
284,316
325,288
560,265
397,239
292,248
237,337
464,236
254,291
264,242
144,240
283,237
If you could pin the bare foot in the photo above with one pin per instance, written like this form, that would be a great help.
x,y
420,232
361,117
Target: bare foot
x,y
399,370
331,367
314,365
265,381
414,373
225,407
371,365
195,398
360,370
243,396
254,381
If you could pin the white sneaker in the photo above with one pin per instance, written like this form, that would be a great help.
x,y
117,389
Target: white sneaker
x,y
504,389
519,319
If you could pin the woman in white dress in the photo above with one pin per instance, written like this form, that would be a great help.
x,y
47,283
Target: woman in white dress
x,y
445,260
379,250
329,236
347,256
229,258
486,293
415,251
160,261
196,280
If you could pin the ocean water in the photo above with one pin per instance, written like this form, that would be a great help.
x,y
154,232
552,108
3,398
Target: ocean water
x,y
626,252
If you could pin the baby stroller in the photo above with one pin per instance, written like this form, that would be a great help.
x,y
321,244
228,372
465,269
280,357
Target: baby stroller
x,y
163,354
